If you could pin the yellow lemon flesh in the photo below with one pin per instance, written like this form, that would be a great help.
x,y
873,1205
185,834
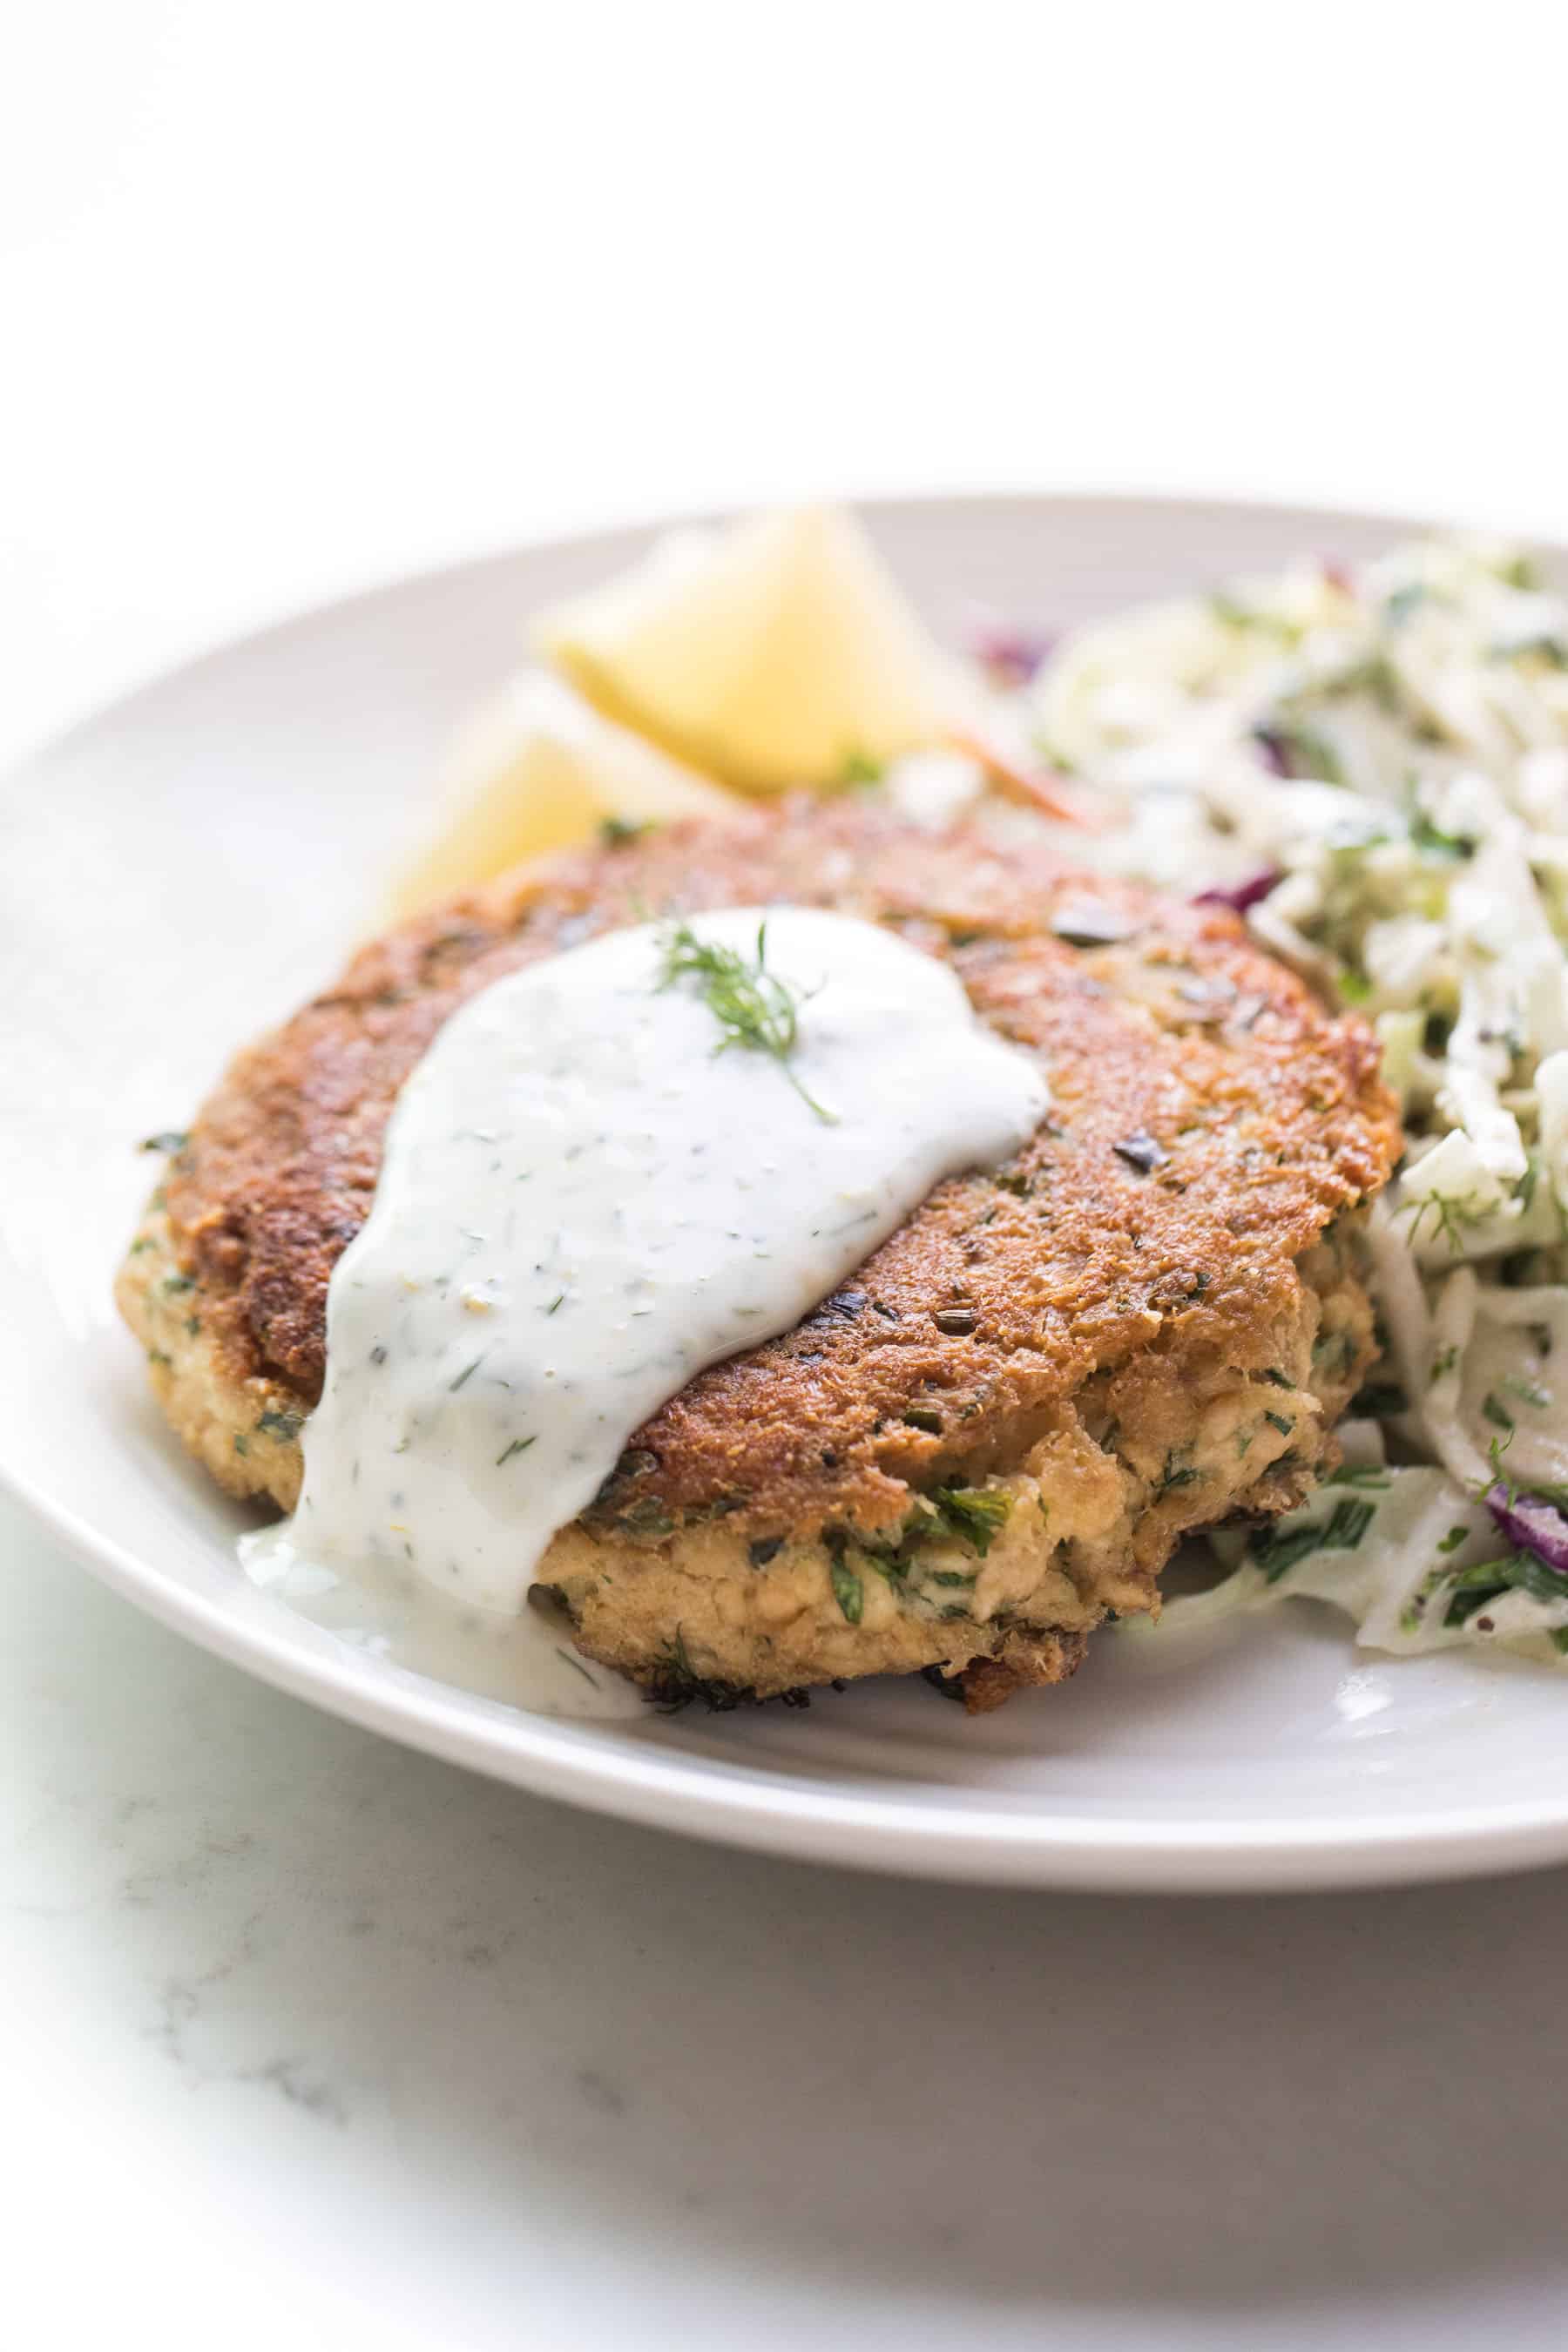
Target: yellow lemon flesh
x,y
538,771
772,652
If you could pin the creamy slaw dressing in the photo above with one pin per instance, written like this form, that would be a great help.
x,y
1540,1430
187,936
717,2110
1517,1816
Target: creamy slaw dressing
x,y
581,1204
1384,750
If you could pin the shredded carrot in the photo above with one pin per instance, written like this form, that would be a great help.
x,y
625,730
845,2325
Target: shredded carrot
x,y
1035,788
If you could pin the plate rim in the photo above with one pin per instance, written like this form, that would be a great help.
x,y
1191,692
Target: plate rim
x,y
745,1806
200,655
735,1804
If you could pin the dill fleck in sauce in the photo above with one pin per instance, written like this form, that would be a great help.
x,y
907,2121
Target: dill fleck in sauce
x,y
611,1169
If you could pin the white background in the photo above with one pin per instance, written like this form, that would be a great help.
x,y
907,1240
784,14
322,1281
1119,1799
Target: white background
x,y
293,297
296,295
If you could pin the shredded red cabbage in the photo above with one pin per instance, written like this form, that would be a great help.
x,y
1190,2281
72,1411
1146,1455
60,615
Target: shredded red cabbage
x,y
1239,896
1275,749
1531,1524
1012,656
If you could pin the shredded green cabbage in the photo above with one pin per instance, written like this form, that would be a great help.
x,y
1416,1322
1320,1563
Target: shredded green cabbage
x,y
1391,743
1415,1565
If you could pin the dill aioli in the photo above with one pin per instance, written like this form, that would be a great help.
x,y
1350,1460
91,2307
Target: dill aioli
x,y
582,1202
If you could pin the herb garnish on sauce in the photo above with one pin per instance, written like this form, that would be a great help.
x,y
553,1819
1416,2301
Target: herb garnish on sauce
x,y
752,1005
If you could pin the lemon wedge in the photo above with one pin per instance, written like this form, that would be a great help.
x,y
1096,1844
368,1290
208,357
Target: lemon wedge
x,y
535,771
772,652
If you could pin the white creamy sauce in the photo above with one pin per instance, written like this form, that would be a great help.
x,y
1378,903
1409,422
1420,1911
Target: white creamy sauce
x,y
581,1204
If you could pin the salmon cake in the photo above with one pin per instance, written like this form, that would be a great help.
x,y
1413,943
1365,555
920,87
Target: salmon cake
x,y
989,1439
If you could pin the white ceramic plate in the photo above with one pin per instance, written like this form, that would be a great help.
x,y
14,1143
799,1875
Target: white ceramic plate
x,y
186,867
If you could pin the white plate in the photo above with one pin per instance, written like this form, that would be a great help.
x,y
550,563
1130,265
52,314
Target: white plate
x,y
186,867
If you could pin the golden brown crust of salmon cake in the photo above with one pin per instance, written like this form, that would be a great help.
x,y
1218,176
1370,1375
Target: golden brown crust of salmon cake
x,y
1112,1337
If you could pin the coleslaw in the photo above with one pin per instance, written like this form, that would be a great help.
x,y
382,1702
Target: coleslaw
x,y
1371,763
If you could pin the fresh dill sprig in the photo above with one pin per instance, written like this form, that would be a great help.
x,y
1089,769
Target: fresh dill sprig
x,y
1450,1212
752,1005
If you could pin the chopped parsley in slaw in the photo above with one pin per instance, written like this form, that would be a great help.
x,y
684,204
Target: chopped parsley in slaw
x,y
1372,764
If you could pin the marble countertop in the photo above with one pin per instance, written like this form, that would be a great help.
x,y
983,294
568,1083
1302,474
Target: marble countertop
x,y
334,2044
